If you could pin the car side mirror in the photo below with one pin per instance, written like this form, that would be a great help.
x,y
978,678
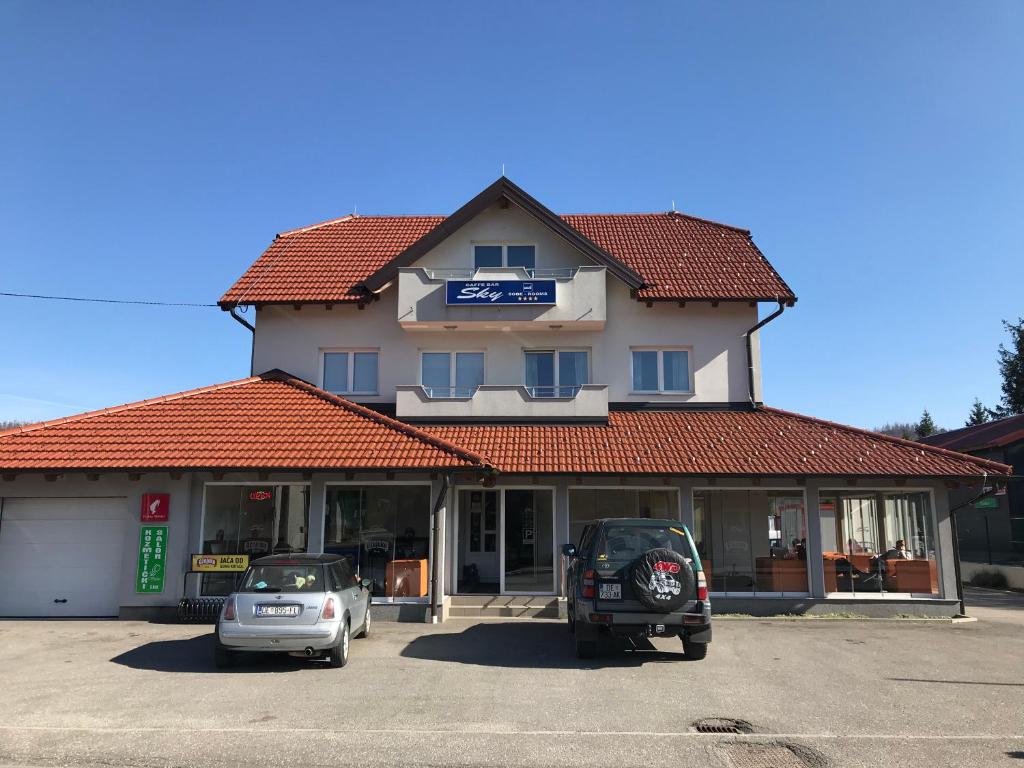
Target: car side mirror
x,y
366,583
569,550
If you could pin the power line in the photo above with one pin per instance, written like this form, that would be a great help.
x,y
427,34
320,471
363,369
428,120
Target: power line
x,y
104,301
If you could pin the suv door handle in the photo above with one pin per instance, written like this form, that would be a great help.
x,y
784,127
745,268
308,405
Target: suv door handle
x,y
60,600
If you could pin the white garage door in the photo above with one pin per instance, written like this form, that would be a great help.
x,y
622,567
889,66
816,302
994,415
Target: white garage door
x,y
61,557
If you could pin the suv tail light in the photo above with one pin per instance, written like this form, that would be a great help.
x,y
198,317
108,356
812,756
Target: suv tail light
x,y
588,584
328,609
229,609
702,586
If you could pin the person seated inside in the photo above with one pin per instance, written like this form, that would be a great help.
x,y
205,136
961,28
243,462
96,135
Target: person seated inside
x,y
898,552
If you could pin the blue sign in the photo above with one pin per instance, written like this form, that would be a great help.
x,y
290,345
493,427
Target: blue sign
x,y
460,292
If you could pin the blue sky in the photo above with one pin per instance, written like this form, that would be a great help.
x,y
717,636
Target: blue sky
x,y
876,150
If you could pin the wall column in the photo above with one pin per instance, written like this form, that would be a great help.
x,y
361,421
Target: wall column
x,y
685,488
561,527
317,513
821,527
944,537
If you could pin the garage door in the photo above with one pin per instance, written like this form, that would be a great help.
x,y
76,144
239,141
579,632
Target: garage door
x,y
61,557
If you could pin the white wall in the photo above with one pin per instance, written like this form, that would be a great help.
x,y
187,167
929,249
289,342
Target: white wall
x,y
292,340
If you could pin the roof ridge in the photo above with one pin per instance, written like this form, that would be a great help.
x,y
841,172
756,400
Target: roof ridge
x,y
308,227
993,465
126,406
353,216
368,413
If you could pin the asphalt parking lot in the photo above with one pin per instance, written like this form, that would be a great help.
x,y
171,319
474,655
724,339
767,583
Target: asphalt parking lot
x,y
468,693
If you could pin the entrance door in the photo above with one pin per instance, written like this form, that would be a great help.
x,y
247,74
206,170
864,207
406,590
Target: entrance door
x,y
528,542
478,560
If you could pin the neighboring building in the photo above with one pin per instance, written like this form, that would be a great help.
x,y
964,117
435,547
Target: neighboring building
x,y
991,531
518,374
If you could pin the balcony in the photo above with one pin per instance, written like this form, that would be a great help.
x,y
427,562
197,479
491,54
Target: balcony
x,y
502,298
503,401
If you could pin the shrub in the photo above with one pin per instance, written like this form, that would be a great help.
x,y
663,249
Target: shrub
x,y
990,579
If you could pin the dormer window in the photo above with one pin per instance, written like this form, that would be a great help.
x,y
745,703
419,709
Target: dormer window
x,y
505,255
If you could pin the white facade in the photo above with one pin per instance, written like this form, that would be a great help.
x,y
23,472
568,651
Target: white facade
x,y
295,340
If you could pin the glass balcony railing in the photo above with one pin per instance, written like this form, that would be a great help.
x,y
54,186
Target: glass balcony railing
x,y
565,391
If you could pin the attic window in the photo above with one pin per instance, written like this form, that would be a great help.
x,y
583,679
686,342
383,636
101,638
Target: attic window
x,y
502,255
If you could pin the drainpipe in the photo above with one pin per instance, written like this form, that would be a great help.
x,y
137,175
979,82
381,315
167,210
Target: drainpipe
x,y
435,535
252,330
956,539
750,351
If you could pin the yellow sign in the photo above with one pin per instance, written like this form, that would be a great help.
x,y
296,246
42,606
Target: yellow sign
x,y
219,563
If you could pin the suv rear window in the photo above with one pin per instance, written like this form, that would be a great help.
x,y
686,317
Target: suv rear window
x,y
628,542
289,578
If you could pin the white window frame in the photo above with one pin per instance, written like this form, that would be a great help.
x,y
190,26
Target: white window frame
x,y
557,351
661,371
503,244
451,367
351,351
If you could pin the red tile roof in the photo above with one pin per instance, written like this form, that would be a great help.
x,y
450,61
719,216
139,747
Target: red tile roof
x,y
680,257
993,434
745,443
273,421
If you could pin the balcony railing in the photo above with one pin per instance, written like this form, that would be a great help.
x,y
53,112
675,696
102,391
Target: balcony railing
x,y
571,298
504,401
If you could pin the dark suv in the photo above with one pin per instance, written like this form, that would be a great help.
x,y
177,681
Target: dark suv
x,y
633,578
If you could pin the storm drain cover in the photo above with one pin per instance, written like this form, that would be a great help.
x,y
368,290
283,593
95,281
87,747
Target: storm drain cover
x,y
746,755
722,725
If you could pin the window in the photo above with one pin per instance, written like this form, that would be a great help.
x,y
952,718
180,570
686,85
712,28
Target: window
x,y
254,520
384,533
524,256
884,543
752,541
351,373
556,373
589,504
451,374
661,370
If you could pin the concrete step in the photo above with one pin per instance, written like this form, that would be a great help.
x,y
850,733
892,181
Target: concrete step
x,y
503,612
502,601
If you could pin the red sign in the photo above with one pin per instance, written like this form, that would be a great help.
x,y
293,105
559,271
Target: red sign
x,y
661,565
155,507
260,495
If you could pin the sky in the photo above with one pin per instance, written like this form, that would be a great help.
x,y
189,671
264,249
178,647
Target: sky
x,y
150,151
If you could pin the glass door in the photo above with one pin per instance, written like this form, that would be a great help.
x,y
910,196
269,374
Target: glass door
x,y
528,542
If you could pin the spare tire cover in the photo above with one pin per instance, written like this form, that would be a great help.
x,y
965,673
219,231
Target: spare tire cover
x,y
662,580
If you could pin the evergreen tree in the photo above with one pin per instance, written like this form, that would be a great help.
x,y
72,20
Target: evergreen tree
x,y
1011,367
925,426
979,414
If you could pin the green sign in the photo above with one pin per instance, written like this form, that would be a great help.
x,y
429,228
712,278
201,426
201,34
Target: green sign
x,y
989,502
149,576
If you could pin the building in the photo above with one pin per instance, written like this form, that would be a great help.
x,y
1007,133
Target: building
x,y
991,530
448,399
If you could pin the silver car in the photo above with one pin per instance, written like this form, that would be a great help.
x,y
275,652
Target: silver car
x,y
302,605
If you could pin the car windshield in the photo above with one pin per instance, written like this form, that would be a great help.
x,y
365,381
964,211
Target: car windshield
x,y
284,577
628,542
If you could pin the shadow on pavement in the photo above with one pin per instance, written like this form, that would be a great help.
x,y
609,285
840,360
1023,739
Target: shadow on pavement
x,y
195,654
529,645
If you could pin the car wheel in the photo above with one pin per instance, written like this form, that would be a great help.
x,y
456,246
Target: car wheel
x,y
365,631
586,649
223,658
339,653
695,651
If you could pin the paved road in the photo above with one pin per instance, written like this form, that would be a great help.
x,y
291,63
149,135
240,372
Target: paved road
x,y
473,693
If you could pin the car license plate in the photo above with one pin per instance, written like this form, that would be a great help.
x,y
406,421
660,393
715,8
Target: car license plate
x,y
277,610
609,591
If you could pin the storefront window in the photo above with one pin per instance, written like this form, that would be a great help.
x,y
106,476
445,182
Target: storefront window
x,y
589,504
752,541
255,520
384,531
884,543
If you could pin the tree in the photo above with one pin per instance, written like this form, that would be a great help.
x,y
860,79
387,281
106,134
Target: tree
x,y
925,426
904,429
979,414
1011,367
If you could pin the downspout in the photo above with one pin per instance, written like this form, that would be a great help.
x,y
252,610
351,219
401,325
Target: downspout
x,y
435,535
956,539
252,330
750,350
